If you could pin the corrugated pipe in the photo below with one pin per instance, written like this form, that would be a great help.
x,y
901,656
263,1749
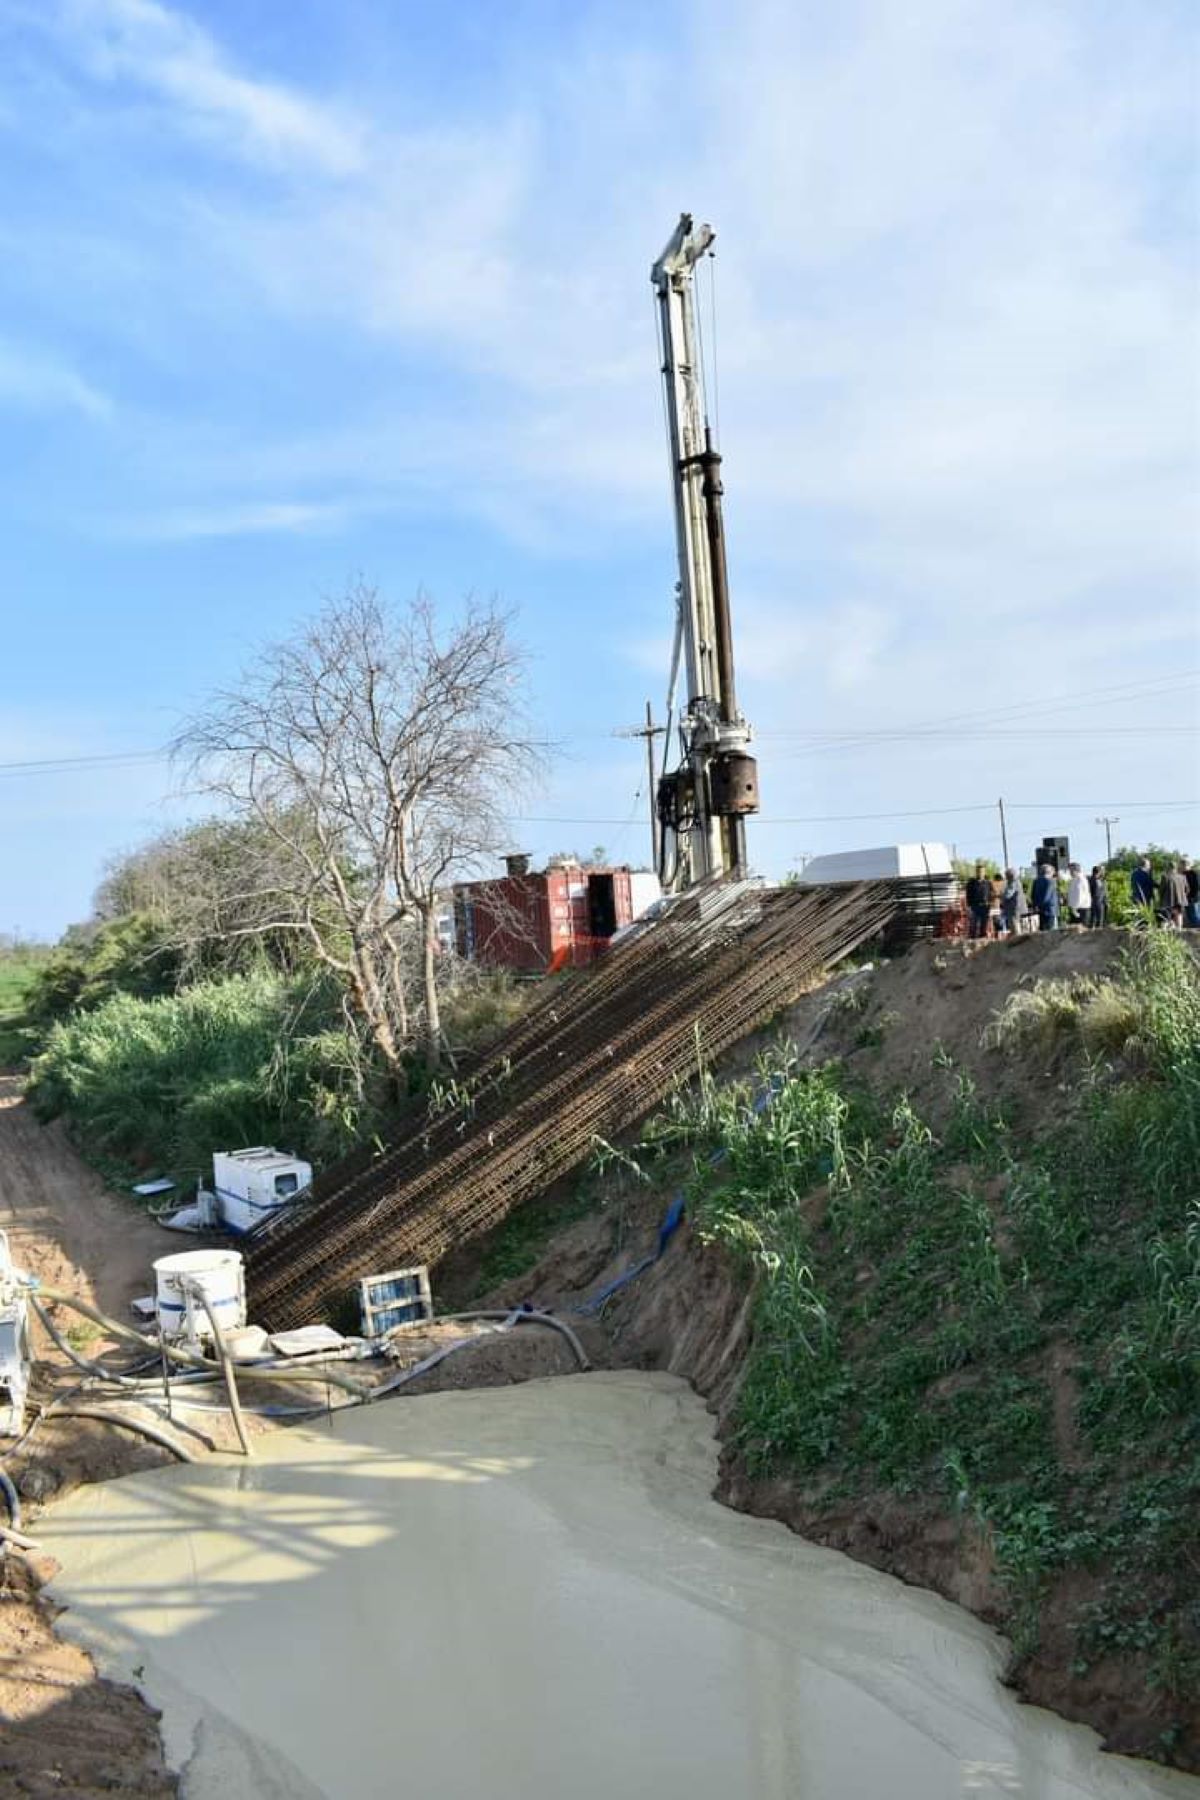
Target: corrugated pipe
x,y
72,1355
147,1430
235,1406
515,1316
191,1359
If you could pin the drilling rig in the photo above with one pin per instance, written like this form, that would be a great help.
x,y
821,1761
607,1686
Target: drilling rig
x,y
704,802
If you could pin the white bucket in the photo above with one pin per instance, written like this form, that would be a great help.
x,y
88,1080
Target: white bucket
x,y
218,1273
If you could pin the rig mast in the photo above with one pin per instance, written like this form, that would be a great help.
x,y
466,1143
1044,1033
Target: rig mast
x,y
703,804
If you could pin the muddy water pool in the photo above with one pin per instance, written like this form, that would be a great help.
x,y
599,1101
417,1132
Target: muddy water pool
x,y
528,1593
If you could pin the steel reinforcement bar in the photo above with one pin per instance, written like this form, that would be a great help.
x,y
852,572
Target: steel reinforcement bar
x,y
570,1010
589,1060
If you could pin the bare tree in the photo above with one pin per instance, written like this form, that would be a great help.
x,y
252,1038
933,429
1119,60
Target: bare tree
x,y
376,753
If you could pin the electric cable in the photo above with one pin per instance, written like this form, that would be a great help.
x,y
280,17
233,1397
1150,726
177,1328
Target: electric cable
x,y
912,812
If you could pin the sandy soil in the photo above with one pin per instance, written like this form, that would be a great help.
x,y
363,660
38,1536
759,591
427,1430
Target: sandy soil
x,y
62,1222
65,1732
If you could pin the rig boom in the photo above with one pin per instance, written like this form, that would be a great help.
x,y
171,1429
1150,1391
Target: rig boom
x,y
703,804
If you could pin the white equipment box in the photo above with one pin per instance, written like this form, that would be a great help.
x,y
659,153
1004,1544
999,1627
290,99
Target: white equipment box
x,y
250,1184
15,1355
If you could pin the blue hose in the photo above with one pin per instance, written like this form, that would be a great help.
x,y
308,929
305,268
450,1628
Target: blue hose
x,y
673,1217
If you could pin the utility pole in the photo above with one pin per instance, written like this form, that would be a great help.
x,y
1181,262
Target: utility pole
x,y
1108,824
1003,832
649,731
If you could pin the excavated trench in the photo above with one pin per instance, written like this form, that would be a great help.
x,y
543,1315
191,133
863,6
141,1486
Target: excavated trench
x,y
531,1593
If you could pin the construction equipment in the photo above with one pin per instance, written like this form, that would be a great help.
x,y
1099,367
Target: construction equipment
x,y
921,875
703,804
15,1353
582,1064
248,1186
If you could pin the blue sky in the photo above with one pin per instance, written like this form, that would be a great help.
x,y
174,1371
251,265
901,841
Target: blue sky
x,y
297,293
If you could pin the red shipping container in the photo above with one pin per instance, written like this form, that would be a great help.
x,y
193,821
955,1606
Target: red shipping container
x,y
561,918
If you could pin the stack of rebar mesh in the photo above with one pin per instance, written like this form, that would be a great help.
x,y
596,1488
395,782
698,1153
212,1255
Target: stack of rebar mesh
x,y
596,1052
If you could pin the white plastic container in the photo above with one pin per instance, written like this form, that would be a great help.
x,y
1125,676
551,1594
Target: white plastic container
x,y
251,1184
221,1276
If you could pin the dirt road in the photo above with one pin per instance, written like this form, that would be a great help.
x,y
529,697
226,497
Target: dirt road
x,y
62,1222
61,1730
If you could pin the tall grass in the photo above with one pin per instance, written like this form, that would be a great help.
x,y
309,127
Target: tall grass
x,y
248,1059
20,968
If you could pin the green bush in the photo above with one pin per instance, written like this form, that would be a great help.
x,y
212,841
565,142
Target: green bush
x,y
20,969
165,1082
94,962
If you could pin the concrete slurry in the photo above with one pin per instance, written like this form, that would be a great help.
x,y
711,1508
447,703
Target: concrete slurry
x,y
527,1593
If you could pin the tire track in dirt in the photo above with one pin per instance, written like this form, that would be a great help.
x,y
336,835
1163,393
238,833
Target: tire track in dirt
x,y
63,1731
62,1222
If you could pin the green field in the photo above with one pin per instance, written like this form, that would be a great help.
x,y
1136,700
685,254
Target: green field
x,y
18,969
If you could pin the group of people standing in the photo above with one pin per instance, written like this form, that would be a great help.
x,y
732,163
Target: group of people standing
x,y
1173,898
999,905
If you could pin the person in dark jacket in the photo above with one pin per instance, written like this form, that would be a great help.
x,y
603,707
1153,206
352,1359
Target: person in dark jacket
x,y
1045,898
979,901
1192,876
1141,884
1098,883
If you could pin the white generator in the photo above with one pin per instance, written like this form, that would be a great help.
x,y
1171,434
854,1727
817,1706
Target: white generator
x,y
250,1184
15,1354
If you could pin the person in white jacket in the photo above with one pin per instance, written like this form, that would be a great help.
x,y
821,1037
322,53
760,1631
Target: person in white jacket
x,y
1079,896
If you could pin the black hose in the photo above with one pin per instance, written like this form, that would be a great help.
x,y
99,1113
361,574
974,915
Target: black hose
x,y
191,1359
12,1500
72,1355
512,1316
143,1426
196,1290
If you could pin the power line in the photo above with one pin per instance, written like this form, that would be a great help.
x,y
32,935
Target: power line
x,y
52,765
933,812
829,740
1119,693
1083,805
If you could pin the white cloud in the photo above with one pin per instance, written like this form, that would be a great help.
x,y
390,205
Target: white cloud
x,y
234,521
956,328
165,52
33,381
948,330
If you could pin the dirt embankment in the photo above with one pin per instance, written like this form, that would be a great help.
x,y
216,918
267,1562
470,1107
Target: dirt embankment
x,y
65,1732
691,1313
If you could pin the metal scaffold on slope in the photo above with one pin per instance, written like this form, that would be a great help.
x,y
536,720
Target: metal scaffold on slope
x,y
593,1056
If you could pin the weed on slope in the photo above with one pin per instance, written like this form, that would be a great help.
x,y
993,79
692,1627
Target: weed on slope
x,y
1007,1327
